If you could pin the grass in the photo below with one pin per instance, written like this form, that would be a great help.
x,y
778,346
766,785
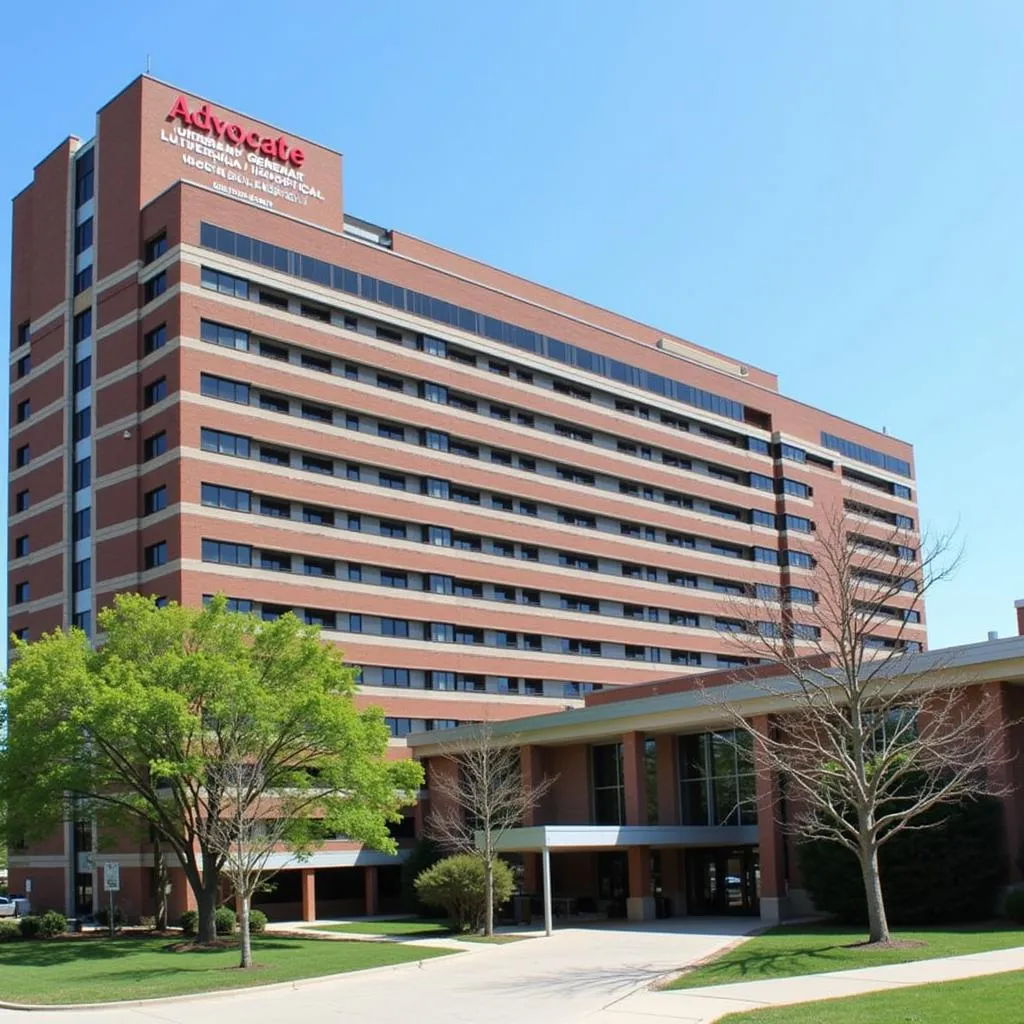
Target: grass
x,y
813,949
403,926
84,970
994,999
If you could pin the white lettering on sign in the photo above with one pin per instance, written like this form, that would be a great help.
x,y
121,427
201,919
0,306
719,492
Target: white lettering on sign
x,y
251,172
111,876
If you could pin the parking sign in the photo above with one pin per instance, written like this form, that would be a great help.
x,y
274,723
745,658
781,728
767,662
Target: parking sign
x,y
111,876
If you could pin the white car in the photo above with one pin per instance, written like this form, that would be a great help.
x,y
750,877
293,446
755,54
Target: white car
x,y
12,906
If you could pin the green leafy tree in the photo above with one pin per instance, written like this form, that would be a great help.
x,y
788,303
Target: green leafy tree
x,y
147,728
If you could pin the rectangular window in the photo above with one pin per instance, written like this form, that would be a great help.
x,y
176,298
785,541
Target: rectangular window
x,y
392,431
226,553
154,445
24,410
83,236
21,546
22,456
798,523
81,524
322,567
318,413
84,166
226,284
717,780
226,337
216,496
156,555
154,501
155,248
759,518
276,561
154,339
389,528
390,578
394,481
81,575
22,500
796,488
22,334
275,509
394,627
81,424
83,373
83,280
271,351
154,287
315,464
318,363
24,366
154,392
800,559
21,593
317,516
223,388
609,789
394,677
81,474
224,443
762,482
275,403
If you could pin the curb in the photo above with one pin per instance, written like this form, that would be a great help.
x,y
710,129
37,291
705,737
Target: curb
x,y
277,986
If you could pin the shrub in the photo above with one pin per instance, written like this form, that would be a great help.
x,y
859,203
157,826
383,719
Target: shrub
x,y
224,921
103,917
9,929
257,922
457,886
189,923
29,925
425,854
953,871
147,922
52,923
1014,906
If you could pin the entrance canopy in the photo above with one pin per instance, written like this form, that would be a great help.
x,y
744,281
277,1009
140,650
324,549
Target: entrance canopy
x,y
538,838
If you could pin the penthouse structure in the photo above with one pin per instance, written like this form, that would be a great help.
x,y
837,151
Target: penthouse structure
x,y
496,498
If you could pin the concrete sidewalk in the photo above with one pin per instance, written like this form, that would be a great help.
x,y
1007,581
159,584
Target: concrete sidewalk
x,y
704,1005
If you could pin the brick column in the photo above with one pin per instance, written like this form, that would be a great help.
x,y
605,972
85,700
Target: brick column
x,y
640,902
633,777
308,894
771,840
668,781
531,762
370,888
1010,774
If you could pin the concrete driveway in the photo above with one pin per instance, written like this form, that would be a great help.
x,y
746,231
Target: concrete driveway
x,y
571,976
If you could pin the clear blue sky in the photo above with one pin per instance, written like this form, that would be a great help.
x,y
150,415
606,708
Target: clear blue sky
x,y
830,191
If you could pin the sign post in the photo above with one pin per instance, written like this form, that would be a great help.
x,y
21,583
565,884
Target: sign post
x,y
112,883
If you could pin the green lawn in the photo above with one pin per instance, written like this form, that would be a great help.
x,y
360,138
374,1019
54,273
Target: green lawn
x,y
813,949
402,926
88,970
991,1000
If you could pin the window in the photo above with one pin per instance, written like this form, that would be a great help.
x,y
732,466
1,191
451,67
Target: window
x,y
439,584
83,373
500,457
355,622
762,482
798,523
680,579
394,627
439,536
271,351
226,284
394,677
223,388
317,617
274,456
226,553
465,496
394,481
315,464
528,508
318,363
319,413
23,456
392,431
275,509
685,658
22,334
351,421
155,500
156,555
275,301
389,383
468,588
81,524
24,366
81,575
22,500
391,578
156,444
322,567
24,410
609,791
717,780
81,473
687,619
224,443
788,451
215,496
759,518
21,592
800,559
84,165
354,522
274,403
83,236
796,488
154,287
767,555
315,312
154,392
355,573
528,553
21,546
317,516
83,280
154,339
389,528
81,424
155,248
463,448
226,337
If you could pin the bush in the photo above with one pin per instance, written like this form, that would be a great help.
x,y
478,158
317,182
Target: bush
x,y
29,925
189,923
953,871
1014,906
103,917
147,922
224,921
52,923
457,886
425,854
9,929
257,922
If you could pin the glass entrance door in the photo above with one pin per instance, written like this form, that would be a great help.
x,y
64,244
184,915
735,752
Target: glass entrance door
x,y
723,881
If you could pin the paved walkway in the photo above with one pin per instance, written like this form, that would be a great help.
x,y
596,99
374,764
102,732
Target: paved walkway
x,y
600,975
704,1005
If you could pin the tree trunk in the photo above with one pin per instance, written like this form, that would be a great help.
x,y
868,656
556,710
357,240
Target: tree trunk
x,y
243,925
878,924
489,897
159,884
206,899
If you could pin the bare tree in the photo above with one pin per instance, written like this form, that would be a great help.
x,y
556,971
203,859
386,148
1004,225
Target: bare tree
x,y
869,735
482,795
251,827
